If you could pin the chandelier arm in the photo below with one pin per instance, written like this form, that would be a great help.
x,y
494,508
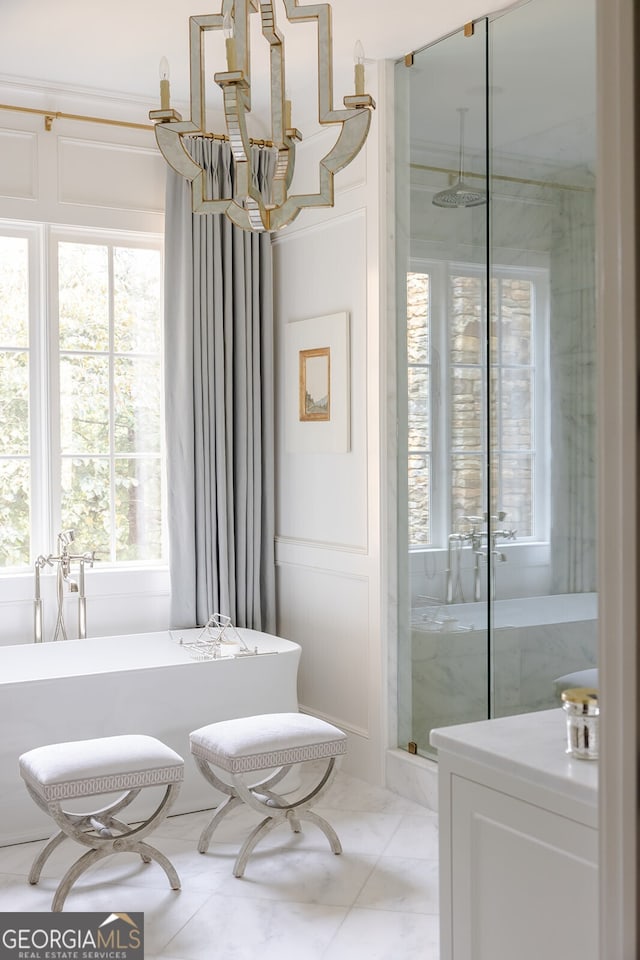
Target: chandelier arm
x,y
347,146
285,159
350,141
322,13
197,28
172,147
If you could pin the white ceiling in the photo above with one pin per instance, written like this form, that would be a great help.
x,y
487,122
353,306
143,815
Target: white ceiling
x,y
114,49
116,46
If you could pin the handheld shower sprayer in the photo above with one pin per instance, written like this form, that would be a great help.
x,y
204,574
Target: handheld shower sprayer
x,y
63,564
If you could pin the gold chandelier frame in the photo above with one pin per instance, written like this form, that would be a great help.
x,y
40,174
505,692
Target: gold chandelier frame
x,y
247,208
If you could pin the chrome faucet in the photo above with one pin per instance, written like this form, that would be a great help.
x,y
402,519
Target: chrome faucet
x,y
63,563
482,539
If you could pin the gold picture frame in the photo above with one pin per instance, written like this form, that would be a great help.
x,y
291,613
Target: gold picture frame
x,y
314,384
316,387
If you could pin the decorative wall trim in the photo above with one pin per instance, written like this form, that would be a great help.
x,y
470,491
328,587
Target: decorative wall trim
x,y
318,544
26,165
338,722
77,157
327,220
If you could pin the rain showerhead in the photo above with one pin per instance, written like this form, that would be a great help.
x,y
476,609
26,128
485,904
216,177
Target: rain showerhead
x,y
460,194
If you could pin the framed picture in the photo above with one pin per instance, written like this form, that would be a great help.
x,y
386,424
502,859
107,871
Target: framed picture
x,y
315,384
316,393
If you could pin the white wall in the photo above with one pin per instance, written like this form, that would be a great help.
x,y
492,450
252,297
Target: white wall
x,y
331,595
98,176
332,588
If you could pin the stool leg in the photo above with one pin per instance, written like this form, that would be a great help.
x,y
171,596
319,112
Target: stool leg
x,y
124,827
86,860
43,856
294,822
103,843
147,852
257,834
326,828
225,807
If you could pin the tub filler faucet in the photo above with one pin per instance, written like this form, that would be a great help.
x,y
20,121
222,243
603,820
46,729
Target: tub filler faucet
x,y
481,536
63,563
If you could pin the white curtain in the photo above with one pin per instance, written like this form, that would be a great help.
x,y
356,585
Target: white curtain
x,y
219,404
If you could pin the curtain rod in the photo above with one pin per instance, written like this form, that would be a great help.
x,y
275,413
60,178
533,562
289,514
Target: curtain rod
x,y
504,178
51,115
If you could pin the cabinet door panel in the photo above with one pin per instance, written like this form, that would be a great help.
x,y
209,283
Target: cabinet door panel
x,y
524,880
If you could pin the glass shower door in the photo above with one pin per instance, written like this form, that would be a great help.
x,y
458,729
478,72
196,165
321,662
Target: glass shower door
x,y
495,159
443,387
542,352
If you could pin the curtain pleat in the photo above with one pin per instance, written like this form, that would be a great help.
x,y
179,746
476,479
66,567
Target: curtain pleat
x,y
219,404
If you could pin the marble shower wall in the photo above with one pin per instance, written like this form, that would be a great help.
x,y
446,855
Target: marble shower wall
x,y
573,392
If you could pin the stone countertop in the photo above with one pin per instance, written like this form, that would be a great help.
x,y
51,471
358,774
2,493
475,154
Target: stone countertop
x,y
531,746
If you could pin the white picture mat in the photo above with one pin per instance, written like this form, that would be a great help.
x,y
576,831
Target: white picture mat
x,y
318,436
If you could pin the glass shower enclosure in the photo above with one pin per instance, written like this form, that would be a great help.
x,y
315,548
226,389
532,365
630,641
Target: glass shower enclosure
x,y
495,177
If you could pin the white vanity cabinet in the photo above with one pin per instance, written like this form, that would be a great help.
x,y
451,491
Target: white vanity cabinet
x,y
518,842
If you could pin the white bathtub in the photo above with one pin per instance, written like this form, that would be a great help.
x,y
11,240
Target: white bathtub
x,y
143,683
518,612
534,641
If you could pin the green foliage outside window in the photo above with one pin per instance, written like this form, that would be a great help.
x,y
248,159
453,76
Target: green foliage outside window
x,y
105,445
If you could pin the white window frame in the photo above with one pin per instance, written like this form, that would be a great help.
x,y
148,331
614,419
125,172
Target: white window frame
x,y
44,420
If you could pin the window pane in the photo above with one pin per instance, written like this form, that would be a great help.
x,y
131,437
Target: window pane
x,y
516,483
15,544
14,292
14,402
418,385
466,319
138,509
419,500
85,506
136,281
467,493
137,405
83,292
516,409
84,404
466,408
418,317
516,321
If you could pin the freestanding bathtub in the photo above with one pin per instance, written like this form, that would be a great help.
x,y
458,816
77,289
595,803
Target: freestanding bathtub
x,y
144,683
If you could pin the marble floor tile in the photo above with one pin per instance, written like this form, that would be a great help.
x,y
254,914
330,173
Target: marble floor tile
x,y
299,876
402,883
230,928
349,793
414,837
382,935
359,831
297,900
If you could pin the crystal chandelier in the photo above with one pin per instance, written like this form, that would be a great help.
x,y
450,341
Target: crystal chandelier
x,y
248,208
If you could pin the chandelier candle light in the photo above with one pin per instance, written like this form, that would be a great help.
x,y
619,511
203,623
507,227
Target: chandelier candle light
x,y
247,208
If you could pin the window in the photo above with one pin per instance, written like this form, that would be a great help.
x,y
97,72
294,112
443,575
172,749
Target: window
x,y
447,399
81,394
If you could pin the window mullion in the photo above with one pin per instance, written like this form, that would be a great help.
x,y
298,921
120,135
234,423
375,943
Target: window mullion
x,y
112,412
49,471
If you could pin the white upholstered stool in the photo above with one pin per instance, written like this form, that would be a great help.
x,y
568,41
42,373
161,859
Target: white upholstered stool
x,y
272,742
126,764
